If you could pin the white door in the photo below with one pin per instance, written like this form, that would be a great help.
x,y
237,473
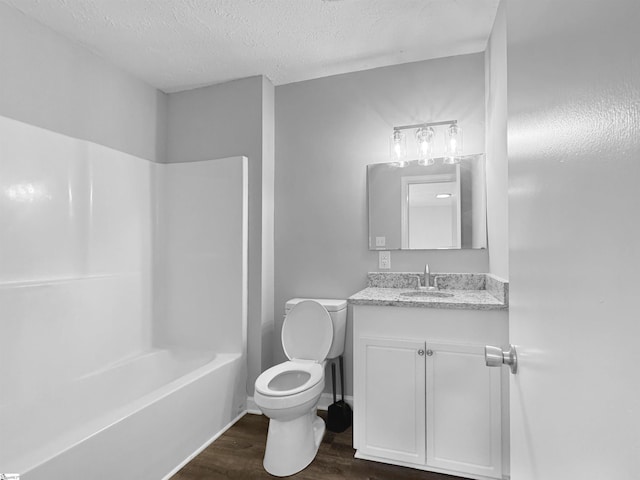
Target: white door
x,y
390,414
463,410
574,238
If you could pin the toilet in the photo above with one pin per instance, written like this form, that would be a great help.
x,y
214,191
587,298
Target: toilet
x,y
312,332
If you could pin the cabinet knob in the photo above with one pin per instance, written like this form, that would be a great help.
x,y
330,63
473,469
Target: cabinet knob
x,y
421,352
429,353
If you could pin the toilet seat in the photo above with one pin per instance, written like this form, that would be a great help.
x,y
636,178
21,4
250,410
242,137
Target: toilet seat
x,y
307,332
314,370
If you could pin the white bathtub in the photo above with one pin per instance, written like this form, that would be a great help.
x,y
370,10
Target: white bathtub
x,y
106,259
140,419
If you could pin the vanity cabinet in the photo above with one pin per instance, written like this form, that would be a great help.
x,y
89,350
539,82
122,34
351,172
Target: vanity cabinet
x,y
423,396
391,399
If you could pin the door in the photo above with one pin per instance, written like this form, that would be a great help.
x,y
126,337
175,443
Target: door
x,y
574,238
390,414
463,410
431,215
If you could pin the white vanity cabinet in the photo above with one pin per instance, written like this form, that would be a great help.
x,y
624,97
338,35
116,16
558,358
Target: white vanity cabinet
x,y
423,396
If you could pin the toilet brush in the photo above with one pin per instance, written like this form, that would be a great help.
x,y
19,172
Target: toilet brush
x,y
339,412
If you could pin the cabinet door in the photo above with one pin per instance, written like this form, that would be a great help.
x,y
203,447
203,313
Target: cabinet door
x,y
463,410
390,409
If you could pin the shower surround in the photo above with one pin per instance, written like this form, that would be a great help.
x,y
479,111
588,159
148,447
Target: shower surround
x,y
122,307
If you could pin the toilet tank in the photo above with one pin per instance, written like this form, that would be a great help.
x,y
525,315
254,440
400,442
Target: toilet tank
x,y
338,312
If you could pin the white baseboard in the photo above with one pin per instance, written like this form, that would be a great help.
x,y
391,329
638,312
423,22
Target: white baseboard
x,y
325,400
252,407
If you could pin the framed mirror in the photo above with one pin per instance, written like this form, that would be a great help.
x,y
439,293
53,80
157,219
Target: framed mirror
x,y
431,207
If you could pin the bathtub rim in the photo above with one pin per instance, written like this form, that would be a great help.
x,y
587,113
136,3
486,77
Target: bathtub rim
x,y
36,458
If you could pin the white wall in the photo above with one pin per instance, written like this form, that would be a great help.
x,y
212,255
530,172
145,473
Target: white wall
x,y
228,120
496,166
51,82
327,131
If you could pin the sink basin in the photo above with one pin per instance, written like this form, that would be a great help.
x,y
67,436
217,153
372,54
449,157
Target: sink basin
x,y
426,294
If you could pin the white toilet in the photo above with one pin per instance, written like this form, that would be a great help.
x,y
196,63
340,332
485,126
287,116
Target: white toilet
x,y
288,393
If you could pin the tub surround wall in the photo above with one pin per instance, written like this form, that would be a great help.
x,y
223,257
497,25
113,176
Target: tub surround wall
x,y
74,258
236,118
77,242
200,255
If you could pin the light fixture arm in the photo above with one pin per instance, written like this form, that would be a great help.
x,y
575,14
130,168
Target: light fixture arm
x,y
420,125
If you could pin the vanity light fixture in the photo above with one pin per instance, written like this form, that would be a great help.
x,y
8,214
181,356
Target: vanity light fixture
x,y
425,136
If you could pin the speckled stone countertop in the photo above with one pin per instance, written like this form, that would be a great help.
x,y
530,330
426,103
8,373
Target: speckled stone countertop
x,y
476,291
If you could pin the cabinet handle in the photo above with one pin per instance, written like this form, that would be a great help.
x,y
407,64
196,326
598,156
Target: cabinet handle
x,y
429,353
421,352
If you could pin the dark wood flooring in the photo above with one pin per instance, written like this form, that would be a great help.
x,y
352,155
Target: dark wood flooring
x,y
238,453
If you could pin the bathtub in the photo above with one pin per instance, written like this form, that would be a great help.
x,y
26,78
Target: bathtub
x,y
141,418
123,307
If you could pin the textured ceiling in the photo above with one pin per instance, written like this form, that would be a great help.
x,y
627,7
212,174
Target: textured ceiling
x,y
181,44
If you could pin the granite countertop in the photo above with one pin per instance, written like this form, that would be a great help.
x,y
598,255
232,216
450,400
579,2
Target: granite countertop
x,y
469,291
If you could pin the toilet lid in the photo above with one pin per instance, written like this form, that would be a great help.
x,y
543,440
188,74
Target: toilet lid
x,y
307,332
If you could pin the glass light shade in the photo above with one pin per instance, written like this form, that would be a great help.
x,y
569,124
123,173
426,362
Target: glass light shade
x,y
424,141
453,144
398,148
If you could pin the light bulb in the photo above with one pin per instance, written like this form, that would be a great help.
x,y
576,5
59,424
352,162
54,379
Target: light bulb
x,y
424,140
398,148
453,144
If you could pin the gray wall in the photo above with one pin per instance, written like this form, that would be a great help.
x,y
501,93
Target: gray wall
x,y
327,131
497,171
226,120
53,83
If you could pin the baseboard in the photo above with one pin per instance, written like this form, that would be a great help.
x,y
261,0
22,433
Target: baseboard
x,y
204,445
325,400
252,408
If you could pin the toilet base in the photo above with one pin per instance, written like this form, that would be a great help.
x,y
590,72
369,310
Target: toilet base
x,y
292,445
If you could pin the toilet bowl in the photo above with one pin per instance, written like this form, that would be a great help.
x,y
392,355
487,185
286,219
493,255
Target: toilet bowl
x,y
288,393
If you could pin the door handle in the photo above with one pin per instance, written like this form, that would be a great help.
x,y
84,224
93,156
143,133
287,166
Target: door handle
x,y
497,356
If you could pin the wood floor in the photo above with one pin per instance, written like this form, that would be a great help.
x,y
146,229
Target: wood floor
x,y
238,453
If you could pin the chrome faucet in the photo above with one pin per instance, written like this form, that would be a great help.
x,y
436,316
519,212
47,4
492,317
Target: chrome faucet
x,y
428,279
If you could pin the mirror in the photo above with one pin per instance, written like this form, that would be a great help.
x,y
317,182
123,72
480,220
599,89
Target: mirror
x,y
427,207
